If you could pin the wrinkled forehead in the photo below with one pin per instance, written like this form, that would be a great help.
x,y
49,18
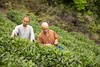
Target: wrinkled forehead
x,y
45,27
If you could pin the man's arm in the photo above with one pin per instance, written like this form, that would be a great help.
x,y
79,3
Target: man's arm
x,y
15,32
56,38
32,36
56,42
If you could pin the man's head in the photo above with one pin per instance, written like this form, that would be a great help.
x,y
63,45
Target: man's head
x,y
26,21
45,27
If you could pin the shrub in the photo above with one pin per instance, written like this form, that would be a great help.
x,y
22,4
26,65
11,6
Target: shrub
x,y
16,16
80,4
19,52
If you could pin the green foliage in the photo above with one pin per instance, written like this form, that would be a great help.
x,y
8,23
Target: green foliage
x,y
80,4
79,50
2,18
16,16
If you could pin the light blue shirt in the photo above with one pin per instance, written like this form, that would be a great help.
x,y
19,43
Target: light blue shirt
x,y
24,33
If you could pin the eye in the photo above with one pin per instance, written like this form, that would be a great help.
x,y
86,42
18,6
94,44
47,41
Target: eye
x,y
26,21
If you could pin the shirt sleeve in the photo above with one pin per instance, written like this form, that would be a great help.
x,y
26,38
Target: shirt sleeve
x,y
15,31
56,35
32,36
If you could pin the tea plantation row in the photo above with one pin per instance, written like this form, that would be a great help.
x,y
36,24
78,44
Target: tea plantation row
x,y
79,50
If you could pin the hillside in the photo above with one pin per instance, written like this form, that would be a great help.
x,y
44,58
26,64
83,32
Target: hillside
x,y
79,50
81,16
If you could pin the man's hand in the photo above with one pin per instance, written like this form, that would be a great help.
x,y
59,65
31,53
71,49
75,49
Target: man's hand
x,y
56,42
12,35
32,40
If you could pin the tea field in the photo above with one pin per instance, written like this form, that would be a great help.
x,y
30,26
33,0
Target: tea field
x,y
79,50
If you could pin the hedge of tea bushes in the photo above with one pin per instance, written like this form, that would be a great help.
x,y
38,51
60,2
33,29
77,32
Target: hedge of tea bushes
x,y
79,50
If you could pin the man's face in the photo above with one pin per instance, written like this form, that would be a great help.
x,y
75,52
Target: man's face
x,y
45,27
45,30
26,21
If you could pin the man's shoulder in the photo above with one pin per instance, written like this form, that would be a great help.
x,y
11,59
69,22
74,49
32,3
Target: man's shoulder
x,y
18,26
41,33
30,26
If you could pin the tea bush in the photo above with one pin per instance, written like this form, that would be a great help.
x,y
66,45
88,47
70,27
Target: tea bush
x,y
80,4
79,50
16,16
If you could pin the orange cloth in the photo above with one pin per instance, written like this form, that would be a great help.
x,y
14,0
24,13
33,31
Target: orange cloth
x,y
48,38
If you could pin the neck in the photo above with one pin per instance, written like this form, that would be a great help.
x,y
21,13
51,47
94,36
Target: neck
x,y
46,32
24,26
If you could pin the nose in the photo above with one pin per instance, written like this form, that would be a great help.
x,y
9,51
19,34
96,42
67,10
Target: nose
x,y
26,22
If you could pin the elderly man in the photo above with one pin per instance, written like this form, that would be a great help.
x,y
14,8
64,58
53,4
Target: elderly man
x,y
24,30
47,37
